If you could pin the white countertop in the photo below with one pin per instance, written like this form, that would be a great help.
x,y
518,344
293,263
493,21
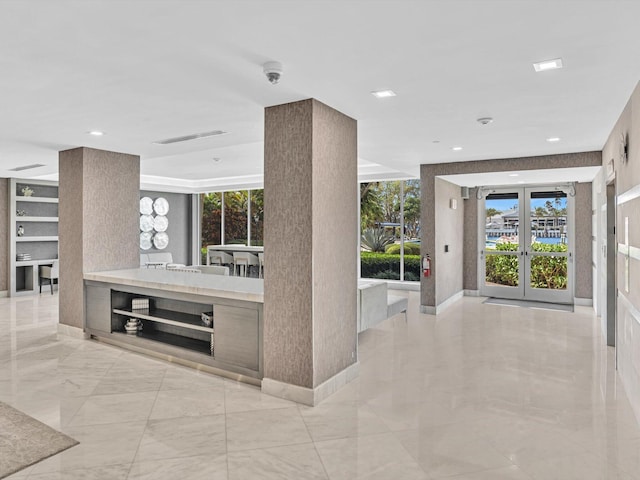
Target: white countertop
x,y
237,288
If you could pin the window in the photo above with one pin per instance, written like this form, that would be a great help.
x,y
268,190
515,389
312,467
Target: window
x,y
257,217
390,230
211,220
232,217
235,217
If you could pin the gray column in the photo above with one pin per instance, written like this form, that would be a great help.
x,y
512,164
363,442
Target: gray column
x,y
4,226
98,221
311,241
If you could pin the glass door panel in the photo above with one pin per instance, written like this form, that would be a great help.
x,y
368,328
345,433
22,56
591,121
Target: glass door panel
x,y
548,254
502,255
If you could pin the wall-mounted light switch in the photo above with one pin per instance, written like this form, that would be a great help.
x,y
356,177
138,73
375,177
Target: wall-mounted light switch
x,y
446,248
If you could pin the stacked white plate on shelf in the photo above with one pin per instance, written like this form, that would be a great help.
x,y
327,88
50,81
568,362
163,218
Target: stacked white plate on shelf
x,y
23,257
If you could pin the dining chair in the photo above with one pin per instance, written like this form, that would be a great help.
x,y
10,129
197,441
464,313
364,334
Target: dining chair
x,y
214,269
49,273
261,266
217,257
186,269
244,260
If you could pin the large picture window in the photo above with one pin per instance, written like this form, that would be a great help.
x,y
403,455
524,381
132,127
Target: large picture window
x,y
390,230
232,217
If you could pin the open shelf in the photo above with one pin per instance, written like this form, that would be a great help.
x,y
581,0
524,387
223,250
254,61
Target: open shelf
x,y
36,199
168,317
199,346
37,239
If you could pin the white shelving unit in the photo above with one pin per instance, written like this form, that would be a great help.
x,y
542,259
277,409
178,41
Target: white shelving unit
x,y
40,239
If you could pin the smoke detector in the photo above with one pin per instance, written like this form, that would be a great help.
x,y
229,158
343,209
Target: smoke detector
x,y
484,120
273,71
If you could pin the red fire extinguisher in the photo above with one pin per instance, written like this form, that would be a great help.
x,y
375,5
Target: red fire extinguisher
x,y
426,266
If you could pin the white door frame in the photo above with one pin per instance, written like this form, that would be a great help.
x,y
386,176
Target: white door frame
x,y
524,253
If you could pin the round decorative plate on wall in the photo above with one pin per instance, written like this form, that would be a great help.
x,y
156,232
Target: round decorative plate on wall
x,y
146,206
160,240
146,223
160,223
145,240
161,206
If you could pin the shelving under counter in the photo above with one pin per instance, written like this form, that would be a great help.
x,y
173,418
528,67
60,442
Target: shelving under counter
x,y
171,327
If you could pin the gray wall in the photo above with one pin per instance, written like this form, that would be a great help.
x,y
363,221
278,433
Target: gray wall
x,y
583,234
449,231
99,193
470,255
627,181
428,174
179,229
310,231
4,234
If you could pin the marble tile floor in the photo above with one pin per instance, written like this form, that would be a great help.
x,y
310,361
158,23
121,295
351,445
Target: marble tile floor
x,y
478,392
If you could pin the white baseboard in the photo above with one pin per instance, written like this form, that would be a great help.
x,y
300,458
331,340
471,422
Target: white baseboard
x,y
4,293
583,302
472,293
310,396
73,332
443,305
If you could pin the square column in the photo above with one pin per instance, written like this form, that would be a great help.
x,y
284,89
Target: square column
x,y
98,221
311,241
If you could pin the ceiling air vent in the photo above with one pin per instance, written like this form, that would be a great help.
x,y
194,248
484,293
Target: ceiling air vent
x,y
26,167
186,138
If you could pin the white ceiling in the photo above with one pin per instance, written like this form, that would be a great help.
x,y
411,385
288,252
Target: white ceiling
x,y
143,71
524,177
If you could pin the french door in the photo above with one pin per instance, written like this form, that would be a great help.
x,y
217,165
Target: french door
x,y
526,243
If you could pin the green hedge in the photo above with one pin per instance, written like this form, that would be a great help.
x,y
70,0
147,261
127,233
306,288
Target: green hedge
x,y
546,272
387,266
409,249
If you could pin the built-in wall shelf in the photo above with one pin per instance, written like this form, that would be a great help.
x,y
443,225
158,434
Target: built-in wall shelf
x,y
37,239
36,199
168,317
36,219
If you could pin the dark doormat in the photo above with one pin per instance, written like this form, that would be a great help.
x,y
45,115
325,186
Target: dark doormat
x,y
529,304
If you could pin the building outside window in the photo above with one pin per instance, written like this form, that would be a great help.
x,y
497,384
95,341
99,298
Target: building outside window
x,y
232,217
390,230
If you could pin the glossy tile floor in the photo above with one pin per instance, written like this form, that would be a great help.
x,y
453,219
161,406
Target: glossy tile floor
x,y
479,392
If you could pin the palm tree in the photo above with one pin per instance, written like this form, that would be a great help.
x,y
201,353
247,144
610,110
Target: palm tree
x,y
370,209
492,212
539,212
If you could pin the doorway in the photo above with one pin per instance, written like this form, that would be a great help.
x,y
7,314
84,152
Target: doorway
x,y
526,243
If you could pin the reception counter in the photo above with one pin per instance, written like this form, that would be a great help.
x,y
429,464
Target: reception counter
x,y
172,326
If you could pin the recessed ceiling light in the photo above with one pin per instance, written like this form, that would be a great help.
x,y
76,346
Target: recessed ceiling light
x,y
514,174
96,133
553,139
456,149
548,65
383,93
